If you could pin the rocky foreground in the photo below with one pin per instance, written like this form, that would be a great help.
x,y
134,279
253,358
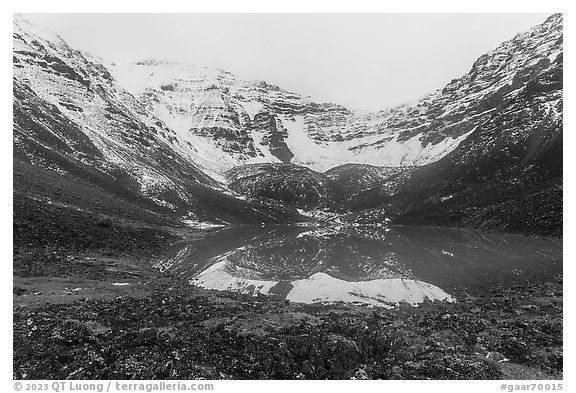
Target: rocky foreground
x,y
113,317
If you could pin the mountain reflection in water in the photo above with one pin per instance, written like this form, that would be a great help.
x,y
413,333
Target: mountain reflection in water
x,y
376,266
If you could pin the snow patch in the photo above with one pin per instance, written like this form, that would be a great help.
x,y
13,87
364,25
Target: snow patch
x,y
217,277
202,224
321,287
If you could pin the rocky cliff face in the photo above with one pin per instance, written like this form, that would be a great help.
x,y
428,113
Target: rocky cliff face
x,y
164,135
507,174
72,118
227,121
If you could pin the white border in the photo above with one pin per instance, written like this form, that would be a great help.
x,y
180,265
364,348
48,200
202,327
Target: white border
x,y
295,6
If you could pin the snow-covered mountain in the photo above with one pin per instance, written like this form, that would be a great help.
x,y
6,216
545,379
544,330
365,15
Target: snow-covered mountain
x,y
72,119
506,175
173,137
221,121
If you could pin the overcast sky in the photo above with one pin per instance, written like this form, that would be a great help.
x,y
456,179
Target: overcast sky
x,y
363,61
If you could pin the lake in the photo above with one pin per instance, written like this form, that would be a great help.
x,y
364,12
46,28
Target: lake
x,y
365,265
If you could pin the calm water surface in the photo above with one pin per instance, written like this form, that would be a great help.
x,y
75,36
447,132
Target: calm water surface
x,y
376,266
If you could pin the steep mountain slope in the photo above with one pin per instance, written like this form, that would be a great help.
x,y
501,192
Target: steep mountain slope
x,y
506,175
71,118
221,121
165,138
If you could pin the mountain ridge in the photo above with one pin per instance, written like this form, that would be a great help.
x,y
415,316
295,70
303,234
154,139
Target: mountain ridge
x,y
170,133
507,175
91,128
203,103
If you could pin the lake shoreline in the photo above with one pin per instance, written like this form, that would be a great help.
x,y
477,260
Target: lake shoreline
x,y
109,316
